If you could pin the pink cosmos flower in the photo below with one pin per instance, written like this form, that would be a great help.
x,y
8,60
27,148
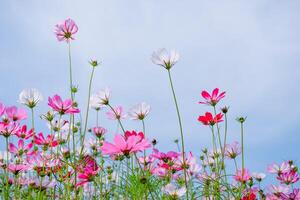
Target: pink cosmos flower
x,y
294,195
17,168
288,177
232,150
125,146
21,149
2,109
165,157
208,119
8,129
99,131
49,141
278,190
165,58
22,133
242,176
278,169
116,113
62,107
146,160
66,30
212,99
190,164
87,176
15,114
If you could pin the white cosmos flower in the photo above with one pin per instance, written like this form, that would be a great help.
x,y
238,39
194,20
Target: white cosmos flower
x,y
171,190
258,176
165,58
139,111
30,97
103,96
95,102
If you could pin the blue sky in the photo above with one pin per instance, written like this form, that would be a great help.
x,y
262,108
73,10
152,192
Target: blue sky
x,y
250,49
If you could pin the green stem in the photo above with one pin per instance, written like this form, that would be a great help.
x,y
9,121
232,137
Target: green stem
x,y
87,109
32,118
181,133
119,121
6,170
70,70
243,156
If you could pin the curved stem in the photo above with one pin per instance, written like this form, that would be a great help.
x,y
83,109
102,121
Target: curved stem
x,y
181,132
120,123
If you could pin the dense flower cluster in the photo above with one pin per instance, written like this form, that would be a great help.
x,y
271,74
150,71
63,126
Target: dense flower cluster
x,y
73,159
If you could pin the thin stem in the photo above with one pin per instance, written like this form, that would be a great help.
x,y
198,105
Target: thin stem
x,y
6,170
144,131
87,109
243,156
32,118
119,121
70,70
181,133
97,118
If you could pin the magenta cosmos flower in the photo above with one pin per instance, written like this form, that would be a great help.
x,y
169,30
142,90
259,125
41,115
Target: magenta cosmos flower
x,y
20,149
212,99
66,30
289,177
208,119
62,107
125,145
49,141
24,134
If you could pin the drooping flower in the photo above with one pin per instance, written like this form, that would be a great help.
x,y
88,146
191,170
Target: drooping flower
x,y
124,146
116,114
62,107
165,58
208,119
66,30
49,141
172,191
242,175
20,149
212,99
30,97
232,150
139,111
99,131
22,133
16,114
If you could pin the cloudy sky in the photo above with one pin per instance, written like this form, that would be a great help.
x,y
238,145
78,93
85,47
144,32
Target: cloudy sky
x,y
250,49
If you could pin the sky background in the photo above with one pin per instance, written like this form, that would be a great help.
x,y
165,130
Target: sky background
x,y
250,49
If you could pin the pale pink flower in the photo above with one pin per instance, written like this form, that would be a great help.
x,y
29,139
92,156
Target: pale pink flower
x,y
125,146
17,168
146,160
165,58
22,133
99,131
62,107
212,99
15,114
232,150
258,176
190,164
102,97
116,113
278,169
66,30
174,192
21,148
8,129
277,190
139,111
242,175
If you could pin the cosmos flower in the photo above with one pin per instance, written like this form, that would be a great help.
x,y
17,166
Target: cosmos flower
x,y
278,169
116,114
87,175
289,177
62,107
17,168
8,129
172,191
102,97
95,102
294,195
99,131
30,97
212,99
21,148
258,176
208,119
22,133
242,175
232,150
139,111
125,146
165,58
15,114
49,141
66,30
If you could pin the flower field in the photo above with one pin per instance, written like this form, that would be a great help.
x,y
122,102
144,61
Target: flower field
x,y
74,160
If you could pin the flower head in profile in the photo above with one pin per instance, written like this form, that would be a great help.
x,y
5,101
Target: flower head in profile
x,y
139,111
16,114
279,169
66,30
232,150
99,131
165,58
62,107
242,175
174,192
289,177
116,113
95,102
102,97
8,129
258,176
125,146
30,97
212,99
208,119
49,141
